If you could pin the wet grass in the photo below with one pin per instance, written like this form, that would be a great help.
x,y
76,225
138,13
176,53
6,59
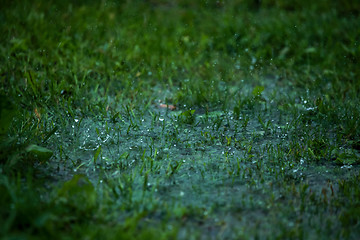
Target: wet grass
x,y
180,120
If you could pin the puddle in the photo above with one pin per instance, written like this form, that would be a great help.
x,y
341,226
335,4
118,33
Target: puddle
x,y
234,173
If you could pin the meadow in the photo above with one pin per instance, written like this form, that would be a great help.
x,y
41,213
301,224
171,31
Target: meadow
x,y
180,119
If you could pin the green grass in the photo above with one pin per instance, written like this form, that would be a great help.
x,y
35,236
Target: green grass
x,y
264,141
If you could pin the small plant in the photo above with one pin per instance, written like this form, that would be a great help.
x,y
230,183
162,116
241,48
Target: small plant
x,y
187,117
173,167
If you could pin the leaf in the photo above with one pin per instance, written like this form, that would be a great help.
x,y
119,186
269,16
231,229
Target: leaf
x,y
187,113
310,50
29,76
347,159
187,117
96,155
258,90
115,116
237,111
260,133
41,153
78,193
50,133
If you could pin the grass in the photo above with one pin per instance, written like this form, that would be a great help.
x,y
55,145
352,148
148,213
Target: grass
x,y
263,143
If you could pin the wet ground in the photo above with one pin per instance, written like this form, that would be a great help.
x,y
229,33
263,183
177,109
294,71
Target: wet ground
x,y
224,173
